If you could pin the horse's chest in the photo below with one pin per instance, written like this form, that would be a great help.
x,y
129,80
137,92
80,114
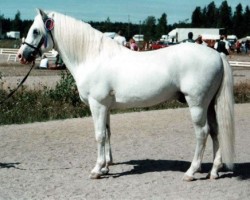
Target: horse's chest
x,y
95,88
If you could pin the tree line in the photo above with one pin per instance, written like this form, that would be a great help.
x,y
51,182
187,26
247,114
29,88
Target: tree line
x,y
235,21
128,29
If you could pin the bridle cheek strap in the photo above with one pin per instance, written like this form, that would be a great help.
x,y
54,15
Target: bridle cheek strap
x,y
46,39
38,48
49,26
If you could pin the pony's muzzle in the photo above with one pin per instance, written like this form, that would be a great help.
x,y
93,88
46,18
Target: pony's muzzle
x,y
26,56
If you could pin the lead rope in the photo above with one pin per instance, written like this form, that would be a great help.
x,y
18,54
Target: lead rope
x,y
19,85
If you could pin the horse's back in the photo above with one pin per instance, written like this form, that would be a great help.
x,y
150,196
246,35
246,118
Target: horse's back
x,y
186,61
194,55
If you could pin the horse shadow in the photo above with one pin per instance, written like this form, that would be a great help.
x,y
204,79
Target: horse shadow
x,y
9,165
241,170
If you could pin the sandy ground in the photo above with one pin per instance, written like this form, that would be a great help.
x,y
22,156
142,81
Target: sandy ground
x,y
152,150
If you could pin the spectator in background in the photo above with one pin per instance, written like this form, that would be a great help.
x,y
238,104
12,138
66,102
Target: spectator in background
x,y
200,41
222,46
44,63
56,55
60,64
133,45
247,46
23,40
190,38
238,45
227,43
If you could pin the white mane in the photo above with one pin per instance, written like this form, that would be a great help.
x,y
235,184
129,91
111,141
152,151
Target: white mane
x,y
80,39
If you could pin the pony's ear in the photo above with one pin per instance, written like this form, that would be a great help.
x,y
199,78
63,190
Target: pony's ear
x,y
42,13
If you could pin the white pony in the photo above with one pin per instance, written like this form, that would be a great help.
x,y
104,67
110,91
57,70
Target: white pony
x,y
110,76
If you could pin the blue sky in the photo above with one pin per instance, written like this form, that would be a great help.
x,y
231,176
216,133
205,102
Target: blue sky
x,y
116,10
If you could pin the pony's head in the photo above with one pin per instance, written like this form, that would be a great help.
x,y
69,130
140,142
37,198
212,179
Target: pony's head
x,y
39,38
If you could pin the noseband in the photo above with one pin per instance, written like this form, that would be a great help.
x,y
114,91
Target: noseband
x,y
38,48
49,25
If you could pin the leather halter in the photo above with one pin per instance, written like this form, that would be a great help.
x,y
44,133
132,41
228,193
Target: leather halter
x,y
38,48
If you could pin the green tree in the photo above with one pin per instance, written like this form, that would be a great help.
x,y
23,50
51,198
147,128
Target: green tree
x,y
149,26
238,21
197,18
225,17
107,25
17,22
211,15
1,29
161,27
246,18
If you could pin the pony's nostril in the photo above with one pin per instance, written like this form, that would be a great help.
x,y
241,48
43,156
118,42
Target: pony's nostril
x,y
19,56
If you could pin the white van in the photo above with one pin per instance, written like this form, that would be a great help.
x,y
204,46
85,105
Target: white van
x,y
138,38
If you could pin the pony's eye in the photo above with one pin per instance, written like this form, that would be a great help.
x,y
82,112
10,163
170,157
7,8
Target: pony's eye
x,y
35,32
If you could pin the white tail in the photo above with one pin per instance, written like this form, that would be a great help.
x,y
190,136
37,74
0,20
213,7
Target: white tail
x,y
225,115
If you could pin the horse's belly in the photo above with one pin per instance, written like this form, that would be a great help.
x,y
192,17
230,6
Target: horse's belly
x,y
143,88
142,98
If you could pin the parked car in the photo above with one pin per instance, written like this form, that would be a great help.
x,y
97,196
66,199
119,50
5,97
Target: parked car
x,y
158,45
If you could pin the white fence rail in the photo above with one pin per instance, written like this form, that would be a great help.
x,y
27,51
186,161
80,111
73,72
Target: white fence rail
x,y
239,64
12,54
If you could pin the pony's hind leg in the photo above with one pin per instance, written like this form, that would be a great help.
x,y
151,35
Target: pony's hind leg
x,y
217,163
199,118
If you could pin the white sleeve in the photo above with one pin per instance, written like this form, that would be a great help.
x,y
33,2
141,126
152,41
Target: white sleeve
x,y
216,45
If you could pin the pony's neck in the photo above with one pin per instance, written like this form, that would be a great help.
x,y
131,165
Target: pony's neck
x,y
78,43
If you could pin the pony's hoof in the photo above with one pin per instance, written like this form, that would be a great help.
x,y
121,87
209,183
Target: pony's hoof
x,y
187,178
105,170
212,176
94,176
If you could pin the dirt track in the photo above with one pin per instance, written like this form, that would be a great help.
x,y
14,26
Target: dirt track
x,y
152,150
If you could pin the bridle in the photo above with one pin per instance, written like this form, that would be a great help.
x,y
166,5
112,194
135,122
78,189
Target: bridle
x,y
38,48
49,25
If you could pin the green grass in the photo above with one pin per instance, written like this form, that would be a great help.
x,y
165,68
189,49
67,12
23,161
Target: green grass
x,y
10,43
63,102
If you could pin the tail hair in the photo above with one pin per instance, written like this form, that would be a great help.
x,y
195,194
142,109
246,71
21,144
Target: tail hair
x,y
225,115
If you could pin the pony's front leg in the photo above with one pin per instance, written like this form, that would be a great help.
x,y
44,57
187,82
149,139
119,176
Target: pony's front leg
x,y
99,114
108,152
